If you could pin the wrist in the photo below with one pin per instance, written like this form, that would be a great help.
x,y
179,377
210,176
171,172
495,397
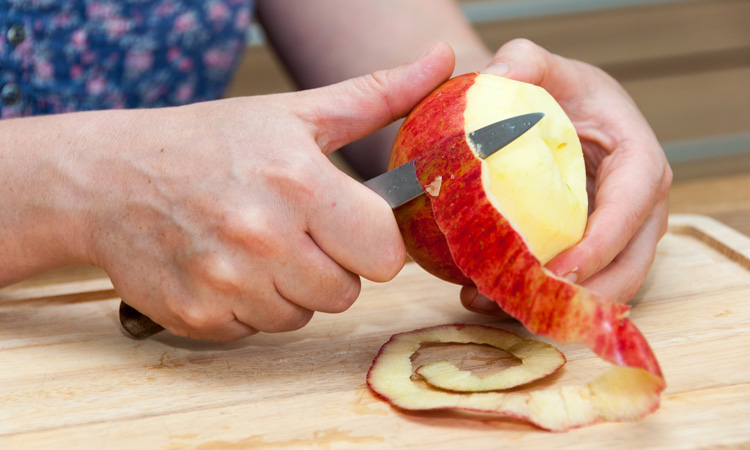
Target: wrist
x,y
46,193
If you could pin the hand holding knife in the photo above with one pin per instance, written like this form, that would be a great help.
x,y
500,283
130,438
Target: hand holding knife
x,y
397,186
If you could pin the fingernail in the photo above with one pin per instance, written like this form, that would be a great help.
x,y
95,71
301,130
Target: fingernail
x,y
572,277
425,53
482,303
498,68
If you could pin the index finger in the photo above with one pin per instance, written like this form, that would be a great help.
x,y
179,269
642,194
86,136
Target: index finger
x,y
356,228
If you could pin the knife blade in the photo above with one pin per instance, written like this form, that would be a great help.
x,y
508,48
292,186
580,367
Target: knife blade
x,y
397,186
400,185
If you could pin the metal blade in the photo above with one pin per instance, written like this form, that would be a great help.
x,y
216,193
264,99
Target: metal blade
x,y
397,186
493,137
400,185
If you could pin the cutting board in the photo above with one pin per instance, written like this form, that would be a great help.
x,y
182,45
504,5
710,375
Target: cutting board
x,y
70,378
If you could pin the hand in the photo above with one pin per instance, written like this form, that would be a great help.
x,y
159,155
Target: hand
x,y
225,218
628,174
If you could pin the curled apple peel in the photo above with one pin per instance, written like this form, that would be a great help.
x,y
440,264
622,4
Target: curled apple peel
x,y
558,409
488,227
537,359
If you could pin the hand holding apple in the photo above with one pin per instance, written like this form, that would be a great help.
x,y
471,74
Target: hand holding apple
x,y
628,174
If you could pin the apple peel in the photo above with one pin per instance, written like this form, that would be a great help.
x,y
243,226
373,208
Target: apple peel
x,y
608,398
537,359
469,241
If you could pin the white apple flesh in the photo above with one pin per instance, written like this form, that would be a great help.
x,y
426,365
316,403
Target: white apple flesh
x,y
538,181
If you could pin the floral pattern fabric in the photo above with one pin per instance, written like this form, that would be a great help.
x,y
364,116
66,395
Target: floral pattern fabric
x,y
68,55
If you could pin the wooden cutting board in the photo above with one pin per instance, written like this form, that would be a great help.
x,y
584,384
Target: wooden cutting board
x,y
70,378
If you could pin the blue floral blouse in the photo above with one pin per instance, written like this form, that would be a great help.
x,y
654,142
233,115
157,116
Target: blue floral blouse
x,y
68,55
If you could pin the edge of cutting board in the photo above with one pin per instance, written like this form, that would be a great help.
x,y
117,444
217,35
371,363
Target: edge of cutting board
x,y
722,238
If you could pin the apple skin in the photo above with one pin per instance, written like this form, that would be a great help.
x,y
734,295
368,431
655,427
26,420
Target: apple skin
x,y
484,248
435,123
621,394
426,243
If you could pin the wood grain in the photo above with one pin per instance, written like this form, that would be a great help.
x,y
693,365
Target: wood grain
x,y
616,38
694,104
69,383
725,198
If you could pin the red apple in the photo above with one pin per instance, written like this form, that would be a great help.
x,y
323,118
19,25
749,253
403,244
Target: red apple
x,y
469,230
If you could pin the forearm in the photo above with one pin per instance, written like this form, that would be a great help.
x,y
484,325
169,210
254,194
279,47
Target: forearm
x,y
324,42
43,199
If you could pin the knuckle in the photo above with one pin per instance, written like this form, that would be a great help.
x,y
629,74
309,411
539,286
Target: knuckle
x,y
626,294
294,172
233,335
633,220
219,273
292,320
667,178
390,261
255,231
378,85
591,261
524,44
177,330
300,321
299,181
385,251
532,61
345,298
199,319
527,47
629,290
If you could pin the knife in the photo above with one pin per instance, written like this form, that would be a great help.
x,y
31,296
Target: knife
x,y
397,186
400,185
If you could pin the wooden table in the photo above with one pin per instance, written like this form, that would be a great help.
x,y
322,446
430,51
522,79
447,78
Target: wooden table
x,y
71,379
725,198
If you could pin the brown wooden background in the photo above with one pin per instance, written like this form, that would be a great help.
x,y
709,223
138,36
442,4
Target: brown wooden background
x,y
686,64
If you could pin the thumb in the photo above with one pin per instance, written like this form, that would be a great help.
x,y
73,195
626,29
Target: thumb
x,y
347,111
523,60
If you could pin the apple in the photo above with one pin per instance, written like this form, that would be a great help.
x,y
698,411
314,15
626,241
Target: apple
x,y
494,223
538,181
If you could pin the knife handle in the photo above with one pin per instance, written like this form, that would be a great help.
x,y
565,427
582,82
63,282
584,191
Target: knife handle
x,y
136,324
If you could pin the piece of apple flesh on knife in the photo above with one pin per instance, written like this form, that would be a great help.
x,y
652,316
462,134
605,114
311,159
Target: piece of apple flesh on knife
x,y
494,223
